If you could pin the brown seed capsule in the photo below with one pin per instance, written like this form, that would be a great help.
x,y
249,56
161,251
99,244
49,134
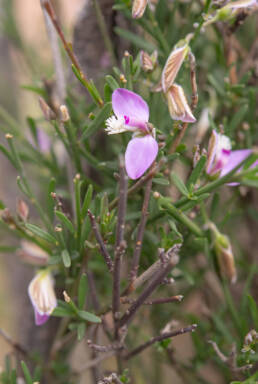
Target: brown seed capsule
x,y
178,105
48,113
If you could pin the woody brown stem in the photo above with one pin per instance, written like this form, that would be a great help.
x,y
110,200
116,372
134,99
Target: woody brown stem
x,y
156,339
120,243
102,246
141,229
141,182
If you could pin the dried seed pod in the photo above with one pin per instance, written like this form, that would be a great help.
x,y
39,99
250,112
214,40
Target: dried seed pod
x,y
178,105
172,66
138,9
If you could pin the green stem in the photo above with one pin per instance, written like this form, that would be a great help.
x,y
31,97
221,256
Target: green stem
x,y
180,216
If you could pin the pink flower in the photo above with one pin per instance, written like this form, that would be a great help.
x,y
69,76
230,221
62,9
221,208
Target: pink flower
x,y
132,114
42,296
221,159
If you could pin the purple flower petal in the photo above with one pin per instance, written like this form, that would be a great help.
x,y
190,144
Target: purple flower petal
x,y
131,107
235,158
40,319
140,154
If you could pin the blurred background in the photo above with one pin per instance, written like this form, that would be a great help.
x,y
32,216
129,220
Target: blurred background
x,y
22,25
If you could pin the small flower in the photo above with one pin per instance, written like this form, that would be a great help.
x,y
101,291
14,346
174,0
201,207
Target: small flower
x,y
132,114
42,296
221,159
138,9
178,105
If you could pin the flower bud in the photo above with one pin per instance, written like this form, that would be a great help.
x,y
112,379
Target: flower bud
x,y
224,253
178,105
42,296
32,254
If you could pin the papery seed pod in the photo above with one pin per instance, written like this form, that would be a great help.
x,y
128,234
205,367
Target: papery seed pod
x,y
32,254
48,113
42,296
7,217
178,105
138,9
148,62
22,209
172,66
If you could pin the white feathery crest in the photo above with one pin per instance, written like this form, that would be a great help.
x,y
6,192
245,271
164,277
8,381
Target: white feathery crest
x,y
115,125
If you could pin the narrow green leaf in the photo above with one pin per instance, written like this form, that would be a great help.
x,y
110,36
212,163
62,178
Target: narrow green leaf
x,y
98,122
237,119
65,221
135,39
253,308
179,184
86,202
82,291
112,82
41,233
197,171
66,258
160,181
89,317
8,155
26,372
81,329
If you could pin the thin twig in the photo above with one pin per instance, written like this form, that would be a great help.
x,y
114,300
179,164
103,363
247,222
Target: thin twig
x,y
194,102
161,300
102,246
146,275
105,348
140,182
19,348
57,59
154,283
120,243
140,232
163,336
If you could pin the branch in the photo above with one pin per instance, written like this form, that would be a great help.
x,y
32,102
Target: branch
x,y
141,182
103,249
120,243
162,300
140,232
164,336
155,282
